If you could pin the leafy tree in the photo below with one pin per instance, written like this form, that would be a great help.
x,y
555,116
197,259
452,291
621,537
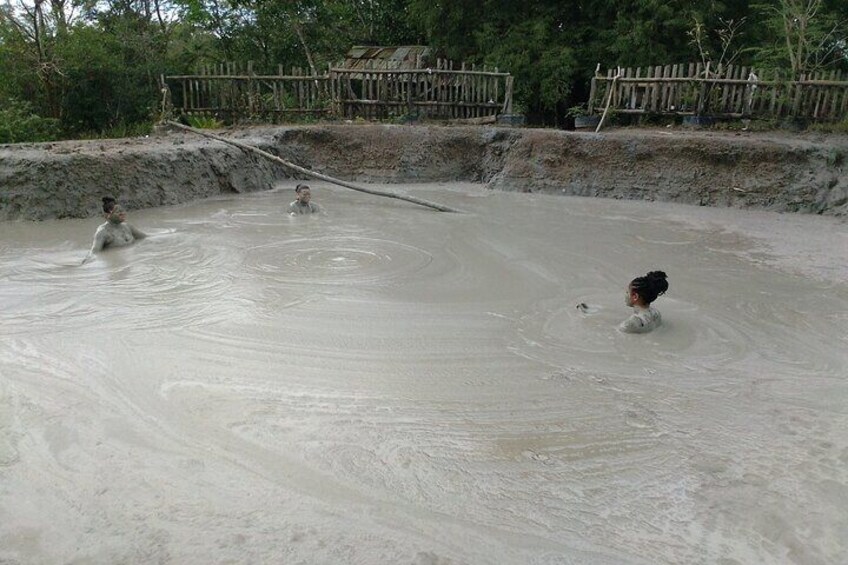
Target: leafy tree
x,y
18,123
806,35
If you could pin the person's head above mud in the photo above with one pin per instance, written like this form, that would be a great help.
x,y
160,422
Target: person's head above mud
x,y
303,204
113,211
304,193
115,232
641,292
644,290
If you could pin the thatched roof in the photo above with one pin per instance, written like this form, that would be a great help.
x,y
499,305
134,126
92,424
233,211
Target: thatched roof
x,y
388,58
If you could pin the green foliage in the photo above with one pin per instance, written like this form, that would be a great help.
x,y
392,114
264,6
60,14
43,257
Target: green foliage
x,y
836,158
124,130
96,65
577,111
803,35
205,122
19,124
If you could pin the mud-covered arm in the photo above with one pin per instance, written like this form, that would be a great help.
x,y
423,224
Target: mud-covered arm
x,y
137,233
96,246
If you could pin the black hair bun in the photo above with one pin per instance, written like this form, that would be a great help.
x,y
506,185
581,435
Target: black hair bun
x,y
658,281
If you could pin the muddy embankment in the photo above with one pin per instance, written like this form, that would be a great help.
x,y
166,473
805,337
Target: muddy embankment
x,y
780,173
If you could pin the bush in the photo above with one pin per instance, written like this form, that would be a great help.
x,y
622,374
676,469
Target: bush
x,y
205,122
19,124
122,130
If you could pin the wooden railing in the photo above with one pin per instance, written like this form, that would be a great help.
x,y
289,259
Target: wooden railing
x,y
721,91
444,93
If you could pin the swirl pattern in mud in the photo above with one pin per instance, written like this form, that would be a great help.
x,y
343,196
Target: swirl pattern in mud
x,y
383,384
332,260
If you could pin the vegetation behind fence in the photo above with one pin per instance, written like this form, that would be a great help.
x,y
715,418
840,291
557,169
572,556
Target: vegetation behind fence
x,y
721,91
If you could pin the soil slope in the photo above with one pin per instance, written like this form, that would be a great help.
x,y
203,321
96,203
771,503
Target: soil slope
x,y
774,172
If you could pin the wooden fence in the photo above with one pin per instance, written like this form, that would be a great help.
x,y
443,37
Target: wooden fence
x,y
234,93
721,91
443,92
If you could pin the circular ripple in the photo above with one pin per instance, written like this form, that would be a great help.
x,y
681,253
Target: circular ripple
x,y
558,334
157,283
336,261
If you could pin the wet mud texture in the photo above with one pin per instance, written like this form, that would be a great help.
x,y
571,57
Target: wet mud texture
x,y
384,384
772,172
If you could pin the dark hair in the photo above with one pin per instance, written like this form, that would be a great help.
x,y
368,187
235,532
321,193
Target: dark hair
x,y
300,187
108,204
650,286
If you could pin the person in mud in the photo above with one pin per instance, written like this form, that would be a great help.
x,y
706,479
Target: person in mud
x,y
641,292
303,204
115,232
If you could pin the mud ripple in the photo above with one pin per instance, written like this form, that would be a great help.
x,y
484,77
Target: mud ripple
x,y
336,261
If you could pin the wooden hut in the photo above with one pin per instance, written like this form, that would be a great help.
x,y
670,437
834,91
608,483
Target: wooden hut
x,y
405,58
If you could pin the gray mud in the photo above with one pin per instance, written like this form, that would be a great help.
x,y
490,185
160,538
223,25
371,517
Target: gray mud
x,y
388,384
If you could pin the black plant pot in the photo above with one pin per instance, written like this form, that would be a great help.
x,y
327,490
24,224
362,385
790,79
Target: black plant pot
x,y
794,124
581,122
697,121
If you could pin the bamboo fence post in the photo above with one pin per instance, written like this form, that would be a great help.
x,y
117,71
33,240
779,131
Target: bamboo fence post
x,y
664,89
828,96
634,90
773,108
796,101
497,88
409,80
593,88
313,174
837,108
844,108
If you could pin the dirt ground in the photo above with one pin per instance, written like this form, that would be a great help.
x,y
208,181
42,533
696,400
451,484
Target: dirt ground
x,y
773,171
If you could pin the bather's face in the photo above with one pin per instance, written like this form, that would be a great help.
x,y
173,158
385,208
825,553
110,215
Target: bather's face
x,y
629,296
118,215
304,195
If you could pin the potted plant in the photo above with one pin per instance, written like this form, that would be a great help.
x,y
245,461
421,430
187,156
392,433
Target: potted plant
x,y
582,117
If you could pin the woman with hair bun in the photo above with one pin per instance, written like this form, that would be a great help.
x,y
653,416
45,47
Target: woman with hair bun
x,y
641,292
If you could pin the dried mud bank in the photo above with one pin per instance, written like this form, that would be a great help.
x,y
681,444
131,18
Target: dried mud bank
x,y
772,172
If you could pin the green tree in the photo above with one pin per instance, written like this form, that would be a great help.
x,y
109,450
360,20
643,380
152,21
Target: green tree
x,y
805,35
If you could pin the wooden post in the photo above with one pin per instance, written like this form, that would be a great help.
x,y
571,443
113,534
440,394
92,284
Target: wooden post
x,y
703,91
796,102
593,89
409,80
663,94
497,87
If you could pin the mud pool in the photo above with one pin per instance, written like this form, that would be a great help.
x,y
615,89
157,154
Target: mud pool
x,y
389,384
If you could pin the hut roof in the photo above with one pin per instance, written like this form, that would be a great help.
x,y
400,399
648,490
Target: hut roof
x,y
387,58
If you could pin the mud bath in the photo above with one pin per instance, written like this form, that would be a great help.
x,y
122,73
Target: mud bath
x,y
388,384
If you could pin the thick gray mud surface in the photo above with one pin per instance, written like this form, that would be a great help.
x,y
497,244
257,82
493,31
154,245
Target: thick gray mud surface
x,y
388,384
